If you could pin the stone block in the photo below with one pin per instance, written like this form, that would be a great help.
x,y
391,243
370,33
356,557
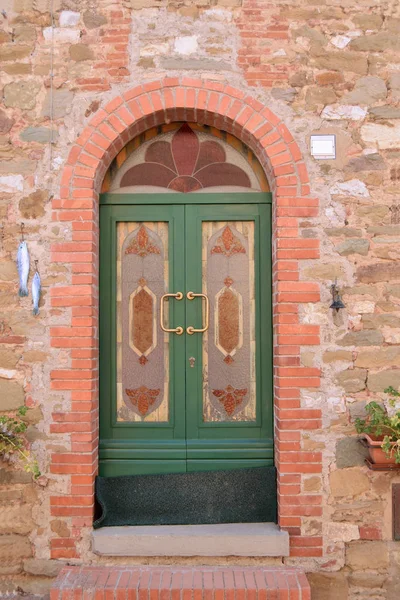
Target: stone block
x,y
8,357
376,321
12,52
5,123
33,434
17,68
348,482
362,338
337,355
394,85
11,476
316,96
343,231
353,246
362,307
16,518
21,94
229,3
378,382
362,556
18,165
93,19
61,34
62,101
35,356
60,528
12,395
328,586
195,64
8,272
353,187
378,272
383,357
378,42
341,532
41,566
383,137
285,94
13,549
372,214
138,4
8,298
350,453
11,183
357,410
367,580
367,90
41,135
384,112
229,539
367,162
24,33
312,484
352,380
345,112
69,18
367,21
80,52
32,206
298,79
324,272
342,61
33,415
186,45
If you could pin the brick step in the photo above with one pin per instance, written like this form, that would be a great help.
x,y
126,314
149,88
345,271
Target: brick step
x,y
180,583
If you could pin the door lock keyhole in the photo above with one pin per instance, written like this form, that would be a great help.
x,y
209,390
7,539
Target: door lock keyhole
x,y
192,360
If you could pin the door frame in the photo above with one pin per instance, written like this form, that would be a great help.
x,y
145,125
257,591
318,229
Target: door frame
x,y
75,209
112,450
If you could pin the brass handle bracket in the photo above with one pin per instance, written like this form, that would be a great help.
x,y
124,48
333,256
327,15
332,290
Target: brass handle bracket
x,y
191,330
178,330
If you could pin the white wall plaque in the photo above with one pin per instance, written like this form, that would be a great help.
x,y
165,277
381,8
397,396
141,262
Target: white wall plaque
x,y
323,147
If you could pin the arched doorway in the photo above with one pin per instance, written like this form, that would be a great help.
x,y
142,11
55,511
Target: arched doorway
x,y
185,314
106,134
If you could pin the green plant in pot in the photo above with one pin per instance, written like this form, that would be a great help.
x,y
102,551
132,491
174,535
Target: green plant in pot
x,y
13,444
382,431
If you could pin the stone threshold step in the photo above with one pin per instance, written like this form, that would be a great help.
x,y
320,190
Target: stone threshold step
x,y
232,539
180,583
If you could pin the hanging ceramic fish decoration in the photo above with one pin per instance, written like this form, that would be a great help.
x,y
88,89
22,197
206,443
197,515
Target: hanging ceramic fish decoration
x,y
36,288
23,268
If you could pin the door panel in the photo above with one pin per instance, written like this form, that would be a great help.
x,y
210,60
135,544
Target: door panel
x,y
228,404
197,401
142,389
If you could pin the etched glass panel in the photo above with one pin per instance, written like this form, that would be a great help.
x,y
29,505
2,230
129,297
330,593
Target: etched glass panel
x,y
142,347
229,345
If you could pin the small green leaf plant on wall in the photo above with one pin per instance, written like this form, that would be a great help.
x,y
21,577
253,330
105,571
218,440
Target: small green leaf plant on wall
x,y
13,443
382,426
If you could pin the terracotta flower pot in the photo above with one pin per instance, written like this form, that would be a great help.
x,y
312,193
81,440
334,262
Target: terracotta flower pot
x,y
377,455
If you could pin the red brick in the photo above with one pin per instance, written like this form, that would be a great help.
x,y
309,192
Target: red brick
x,y
149,583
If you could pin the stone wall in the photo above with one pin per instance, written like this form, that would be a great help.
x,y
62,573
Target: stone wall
x,y
322,67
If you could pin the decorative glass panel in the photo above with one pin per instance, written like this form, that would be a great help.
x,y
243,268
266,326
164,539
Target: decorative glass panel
x,y
142,348
229,379
185,158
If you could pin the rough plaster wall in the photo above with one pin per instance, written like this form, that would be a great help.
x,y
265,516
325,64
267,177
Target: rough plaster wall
x,y
321,68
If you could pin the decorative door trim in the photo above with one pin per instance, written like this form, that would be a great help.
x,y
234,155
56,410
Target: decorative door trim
x,y
108,131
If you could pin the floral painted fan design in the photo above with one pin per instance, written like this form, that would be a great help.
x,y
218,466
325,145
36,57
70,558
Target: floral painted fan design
x,y
185,165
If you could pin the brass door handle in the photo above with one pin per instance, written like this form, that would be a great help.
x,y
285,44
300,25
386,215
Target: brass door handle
x,y
177,330
191,330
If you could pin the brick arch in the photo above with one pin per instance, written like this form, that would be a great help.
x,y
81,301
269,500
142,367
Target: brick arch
x,y
110,129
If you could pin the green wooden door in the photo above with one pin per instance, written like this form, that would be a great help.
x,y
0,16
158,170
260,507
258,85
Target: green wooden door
x,y
197,400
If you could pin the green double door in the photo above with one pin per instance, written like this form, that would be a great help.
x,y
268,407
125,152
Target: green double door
x,y
185,333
